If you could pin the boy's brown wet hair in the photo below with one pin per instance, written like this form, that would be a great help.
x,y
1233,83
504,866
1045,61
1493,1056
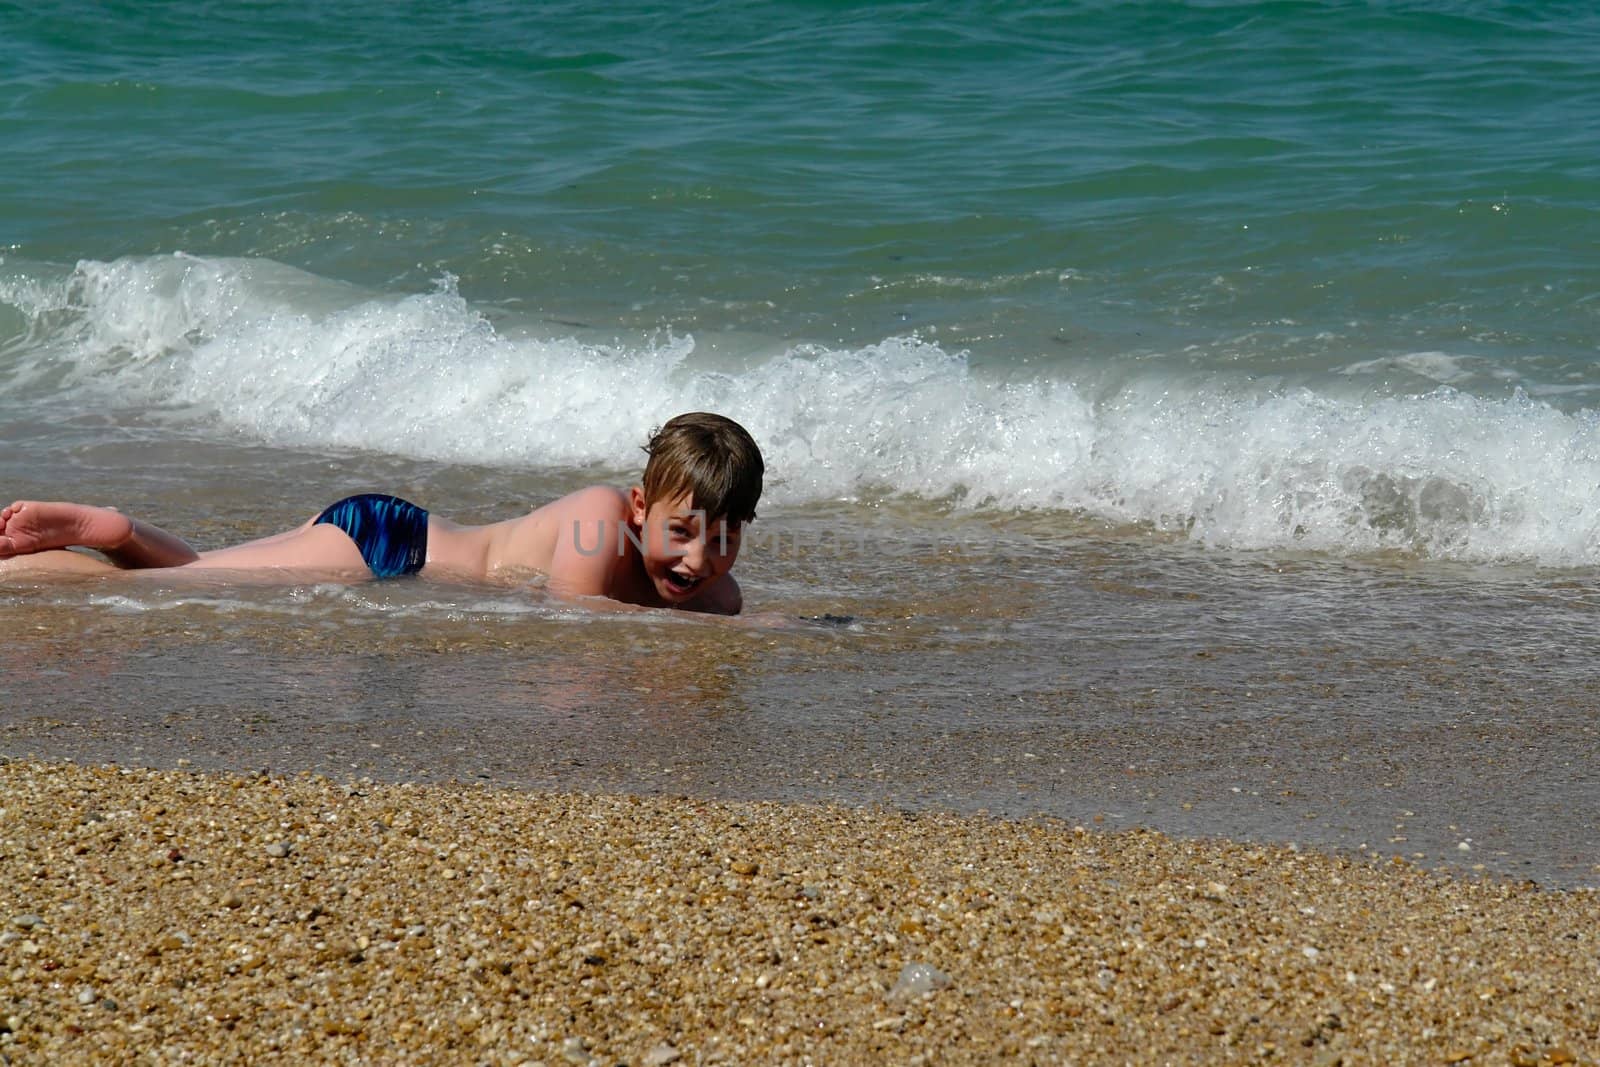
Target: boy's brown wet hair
x,y
710,457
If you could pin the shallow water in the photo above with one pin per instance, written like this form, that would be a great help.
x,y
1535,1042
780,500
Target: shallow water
x,y
971,662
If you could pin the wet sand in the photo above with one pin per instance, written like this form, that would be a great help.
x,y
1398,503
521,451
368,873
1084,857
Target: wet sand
x,y
150,916
669,706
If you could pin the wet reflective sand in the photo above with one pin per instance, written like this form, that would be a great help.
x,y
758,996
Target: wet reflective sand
x,y
897,656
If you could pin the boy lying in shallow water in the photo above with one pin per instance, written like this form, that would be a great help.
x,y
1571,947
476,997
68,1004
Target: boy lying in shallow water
x,y
669,542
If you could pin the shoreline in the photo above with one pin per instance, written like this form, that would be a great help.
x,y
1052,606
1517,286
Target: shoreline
x,y
258,918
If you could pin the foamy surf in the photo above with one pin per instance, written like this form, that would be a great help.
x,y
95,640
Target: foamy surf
x,y
251,347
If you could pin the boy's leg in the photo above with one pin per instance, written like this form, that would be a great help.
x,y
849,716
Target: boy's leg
x,y
308,547
30,526
54,561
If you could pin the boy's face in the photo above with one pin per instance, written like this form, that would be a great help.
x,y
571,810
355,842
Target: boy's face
x,y
685,551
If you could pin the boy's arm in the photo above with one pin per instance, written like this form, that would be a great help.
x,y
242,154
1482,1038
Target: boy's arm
x,y
723,598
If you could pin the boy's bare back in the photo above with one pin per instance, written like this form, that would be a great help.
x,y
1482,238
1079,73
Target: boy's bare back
x,y
596,542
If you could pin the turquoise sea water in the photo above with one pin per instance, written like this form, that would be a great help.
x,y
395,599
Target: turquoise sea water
x,y
1155,346
1176,234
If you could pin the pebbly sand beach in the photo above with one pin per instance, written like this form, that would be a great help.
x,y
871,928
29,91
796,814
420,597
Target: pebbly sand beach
x,y
1182,425
177,917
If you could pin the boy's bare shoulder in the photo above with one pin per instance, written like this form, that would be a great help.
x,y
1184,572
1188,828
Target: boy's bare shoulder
x,y
534,541
595,502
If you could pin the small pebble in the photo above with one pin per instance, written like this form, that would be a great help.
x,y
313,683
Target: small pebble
x,y
278,850
576,1050
919,978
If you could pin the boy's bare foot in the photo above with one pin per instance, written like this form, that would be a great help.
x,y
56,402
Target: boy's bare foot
x,y
34,526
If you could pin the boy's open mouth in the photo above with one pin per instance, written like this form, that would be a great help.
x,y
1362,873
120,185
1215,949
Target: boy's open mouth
x,y
681,583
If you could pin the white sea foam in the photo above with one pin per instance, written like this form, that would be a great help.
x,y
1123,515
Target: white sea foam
x,y
252,346
302,601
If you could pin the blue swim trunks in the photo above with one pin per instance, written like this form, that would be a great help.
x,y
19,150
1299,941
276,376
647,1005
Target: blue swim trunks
x,y
391,533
